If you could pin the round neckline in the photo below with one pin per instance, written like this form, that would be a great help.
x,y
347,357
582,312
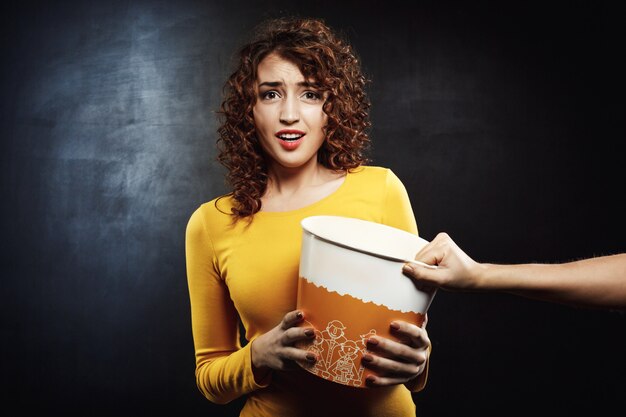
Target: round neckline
x,y
308,207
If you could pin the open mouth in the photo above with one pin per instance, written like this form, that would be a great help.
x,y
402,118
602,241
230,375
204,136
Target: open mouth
x,y
289,137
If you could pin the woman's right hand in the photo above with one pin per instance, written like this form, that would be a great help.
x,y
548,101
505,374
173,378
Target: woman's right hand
x,y
276,349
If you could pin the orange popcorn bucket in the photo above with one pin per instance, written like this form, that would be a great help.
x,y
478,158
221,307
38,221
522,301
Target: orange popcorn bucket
x,y
351,287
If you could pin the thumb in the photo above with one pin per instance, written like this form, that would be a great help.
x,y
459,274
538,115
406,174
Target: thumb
x,y
420,274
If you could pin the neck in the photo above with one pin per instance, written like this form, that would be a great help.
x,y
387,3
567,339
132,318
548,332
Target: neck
x,y
284,180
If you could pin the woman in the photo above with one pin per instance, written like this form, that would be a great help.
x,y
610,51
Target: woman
x,y
293,137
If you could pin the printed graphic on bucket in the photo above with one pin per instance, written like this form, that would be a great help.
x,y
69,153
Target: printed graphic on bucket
x,y
351,286
340,344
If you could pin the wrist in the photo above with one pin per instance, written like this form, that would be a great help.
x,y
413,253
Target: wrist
x,y
480,276
260,371
255,354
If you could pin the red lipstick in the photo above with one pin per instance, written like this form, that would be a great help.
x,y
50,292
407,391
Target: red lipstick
x,y
290,139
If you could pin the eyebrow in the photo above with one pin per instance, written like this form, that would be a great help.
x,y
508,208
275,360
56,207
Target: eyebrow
x,y
280,84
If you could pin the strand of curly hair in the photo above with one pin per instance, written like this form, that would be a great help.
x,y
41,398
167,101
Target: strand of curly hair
x,y
321,56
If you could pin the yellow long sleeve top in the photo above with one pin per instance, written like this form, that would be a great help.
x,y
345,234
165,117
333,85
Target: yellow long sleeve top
x,y
249,272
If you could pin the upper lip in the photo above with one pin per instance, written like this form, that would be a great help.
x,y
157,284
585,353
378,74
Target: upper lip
x,y
290,132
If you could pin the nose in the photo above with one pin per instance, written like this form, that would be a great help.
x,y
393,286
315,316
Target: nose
x,y
289,111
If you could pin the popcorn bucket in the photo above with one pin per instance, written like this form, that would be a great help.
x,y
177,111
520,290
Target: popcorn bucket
x,y
351,287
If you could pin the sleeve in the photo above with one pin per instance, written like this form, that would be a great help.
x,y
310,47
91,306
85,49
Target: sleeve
x,y
223,367
398,213
397,210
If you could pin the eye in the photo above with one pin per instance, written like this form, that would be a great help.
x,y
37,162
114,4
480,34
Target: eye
x,y
269,95
312,95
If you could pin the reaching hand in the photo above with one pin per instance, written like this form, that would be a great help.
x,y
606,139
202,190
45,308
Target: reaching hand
x,y
455,271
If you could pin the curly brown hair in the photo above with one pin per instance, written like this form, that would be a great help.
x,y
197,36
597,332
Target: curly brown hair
x,y
322,56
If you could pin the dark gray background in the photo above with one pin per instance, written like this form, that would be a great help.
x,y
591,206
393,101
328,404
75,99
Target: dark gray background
x,y
504,122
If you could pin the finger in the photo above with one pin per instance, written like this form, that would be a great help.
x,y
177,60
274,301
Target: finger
x,y
295,334
415,335
434,252
291,319
381,381
394,350
390,368
427,279
431,253
441,240
298,355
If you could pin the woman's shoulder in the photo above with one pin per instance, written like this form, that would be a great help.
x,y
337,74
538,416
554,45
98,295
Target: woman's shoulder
x,y
371,172
222,204
214,212
375,178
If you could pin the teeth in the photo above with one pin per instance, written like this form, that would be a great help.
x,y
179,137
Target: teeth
x,y
290,136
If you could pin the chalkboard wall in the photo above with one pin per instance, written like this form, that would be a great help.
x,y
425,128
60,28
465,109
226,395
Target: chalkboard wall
x,y
504,120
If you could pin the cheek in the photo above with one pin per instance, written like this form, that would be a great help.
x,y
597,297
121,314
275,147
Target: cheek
x,y
256,115
318,118
259,119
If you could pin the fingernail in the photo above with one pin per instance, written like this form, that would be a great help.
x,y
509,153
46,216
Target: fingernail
x,y
309,333
407,268
299,315
394,325
372,342
311,357
367,358
370,379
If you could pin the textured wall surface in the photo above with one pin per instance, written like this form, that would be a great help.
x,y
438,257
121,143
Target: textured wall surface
x,y
503,122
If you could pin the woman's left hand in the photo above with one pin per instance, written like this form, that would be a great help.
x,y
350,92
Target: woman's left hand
x,y
397,362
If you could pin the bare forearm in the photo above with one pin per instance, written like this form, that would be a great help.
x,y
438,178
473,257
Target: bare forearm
x,y
594,282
